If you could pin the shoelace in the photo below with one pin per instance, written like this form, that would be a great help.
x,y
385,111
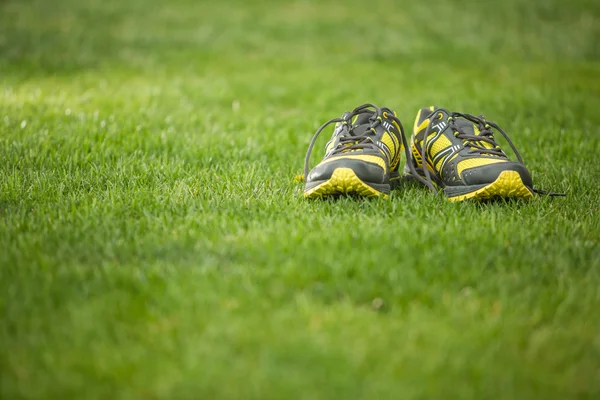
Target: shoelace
x,y
347,141
486,134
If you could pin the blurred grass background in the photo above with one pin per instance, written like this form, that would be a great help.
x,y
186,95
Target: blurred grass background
x,y
154,245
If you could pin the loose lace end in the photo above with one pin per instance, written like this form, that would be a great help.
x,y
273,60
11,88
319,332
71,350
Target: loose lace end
x,y
548,193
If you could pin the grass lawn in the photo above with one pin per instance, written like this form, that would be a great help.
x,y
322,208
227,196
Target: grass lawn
x,y
154,245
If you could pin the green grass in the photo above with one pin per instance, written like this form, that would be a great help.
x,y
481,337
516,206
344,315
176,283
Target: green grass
x,y
153,243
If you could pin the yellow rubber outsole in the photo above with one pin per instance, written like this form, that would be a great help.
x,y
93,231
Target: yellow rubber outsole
x,y
508,184
343,181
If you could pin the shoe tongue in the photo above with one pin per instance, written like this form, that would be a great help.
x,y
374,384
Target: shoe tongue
x,y
363,119
362,124
465,126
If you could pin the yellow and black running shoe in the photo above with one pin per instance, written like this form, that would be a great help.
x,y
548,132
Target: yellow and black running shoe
x,y
362,157
458,153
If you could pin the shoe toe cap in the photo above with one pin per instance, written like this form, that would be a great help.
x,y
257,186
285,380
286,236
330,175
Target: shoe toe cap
x,y
365,171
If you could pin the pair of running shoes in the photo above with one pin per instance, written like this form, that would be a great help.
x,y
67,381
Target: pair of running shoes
x,y
449,151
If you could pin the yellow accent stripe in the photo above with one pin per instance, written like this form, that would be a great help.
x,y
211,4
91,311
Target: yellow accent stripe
x,y
388,140
419,128
440,144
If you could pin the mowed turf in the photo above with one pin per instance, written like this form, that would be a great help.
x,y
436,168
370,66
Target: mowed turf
x,y
154,245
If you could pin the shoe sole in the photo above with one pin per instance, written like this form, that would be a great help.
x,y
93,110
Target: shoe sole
x,y
344,181
508,185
